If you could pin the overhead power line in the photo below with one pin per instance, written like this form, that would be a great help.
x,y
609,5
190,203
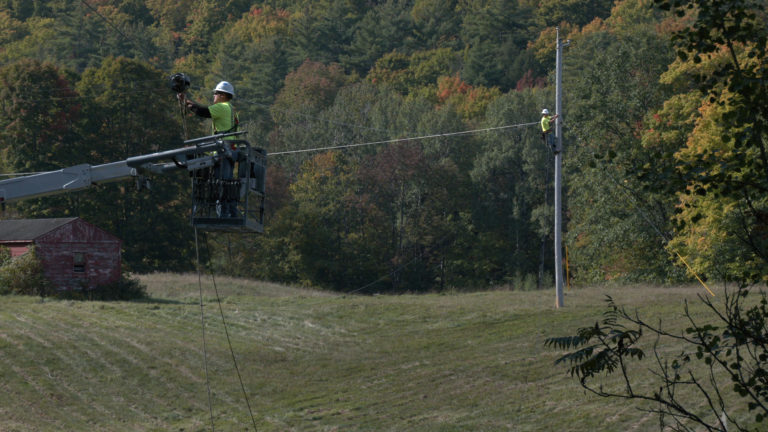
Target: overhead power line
x,y
391,141
107,21
396,140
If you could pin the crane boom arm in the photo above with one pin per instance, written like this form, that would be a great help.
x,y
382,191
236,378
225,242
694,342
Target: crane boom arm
x,y
68,179
74,178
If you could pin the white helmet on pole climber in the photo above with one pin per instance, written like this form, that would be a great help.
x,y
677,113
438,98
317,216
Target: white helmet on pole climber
x,y
225,87
545,112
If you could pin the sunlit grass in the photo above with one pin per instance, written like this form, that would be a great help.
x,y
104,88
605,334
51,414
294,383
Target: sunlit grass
x,y
310,360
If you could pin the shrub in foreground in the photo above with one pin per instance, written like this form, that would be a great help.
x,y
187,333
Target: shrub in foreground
x,y
24,275
126,288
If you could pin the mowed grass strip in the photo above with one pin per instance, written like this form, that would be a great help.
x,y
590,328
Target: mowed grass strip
x,y
310,361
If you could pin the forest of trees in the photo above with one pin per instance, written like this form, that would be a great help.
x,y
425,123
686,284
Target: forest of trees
x,y
664,133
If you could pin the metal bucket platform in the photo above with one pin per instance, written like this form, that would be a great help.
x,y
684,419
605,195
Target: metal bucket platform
x,y
231,202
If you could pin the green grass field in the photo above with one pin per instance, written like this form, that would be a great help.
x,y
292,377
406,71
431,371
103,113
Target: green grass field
x,y
310,361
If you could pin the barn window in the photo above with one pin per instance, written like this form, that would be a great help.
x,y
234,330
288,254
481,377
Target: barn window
x,y
79,261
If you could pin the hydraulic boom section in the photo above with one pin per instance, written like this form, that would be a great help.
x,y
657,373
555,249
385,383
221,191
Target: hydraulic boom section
x,y
243,191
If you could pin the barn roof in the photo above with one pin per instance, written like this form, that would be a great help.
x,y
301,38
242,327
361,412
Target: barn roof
x,y
29,229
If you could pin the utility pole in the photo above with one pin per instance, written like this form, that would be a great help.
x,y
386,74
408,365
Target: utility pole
x,y
559,300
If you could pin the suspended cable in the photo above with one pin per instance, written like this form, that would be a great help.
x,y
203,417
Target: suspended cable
x,y
300,114
391,141
396,140
229,341
226,332
106,20
392,273
183,110
404,265
202,325
109,22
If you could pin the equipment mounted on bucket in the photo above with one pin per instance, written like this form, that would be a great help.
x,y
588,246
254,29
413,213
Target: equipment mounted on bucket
x,y
246,191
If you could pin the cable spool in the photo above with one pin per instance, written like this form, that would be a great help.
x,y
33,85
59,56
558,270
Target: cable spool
x,y
179,82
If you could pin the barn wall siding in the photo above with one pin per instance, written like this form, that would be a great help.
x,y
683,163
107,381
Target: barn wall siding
x,y
102,263
58,248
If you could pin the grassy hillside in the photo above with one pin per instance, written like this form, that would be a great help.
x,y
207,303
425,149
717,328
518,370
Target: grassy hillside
x,y
310,361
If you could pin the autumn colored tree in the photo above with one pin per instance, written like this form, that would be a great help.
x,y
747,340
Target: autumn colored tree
x,y
330,245
298,111
725,162
309,89
470,101
720,228
618,228
414,73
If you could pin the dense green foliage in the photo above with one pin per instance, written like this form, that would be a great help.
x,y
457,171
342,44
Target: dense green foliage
x,y
84,81
710,135
23,275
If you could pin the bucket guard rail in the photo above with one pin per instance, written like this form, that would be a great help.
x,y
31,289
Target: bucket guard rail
x,y
201,157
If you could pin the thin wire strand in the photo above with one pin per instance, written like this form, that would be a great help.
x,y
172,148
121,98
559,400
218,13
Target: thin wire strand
x,y
635,202
396,140
202,322
108,21
391,273
391,141
229,341
183,110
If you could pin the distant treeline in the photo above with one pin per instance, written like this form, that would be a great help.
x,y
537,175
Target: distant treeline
x,y
664,162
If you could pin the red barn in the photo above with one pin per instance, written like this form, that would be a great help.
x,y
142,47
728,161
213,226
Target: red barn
x,y
74,253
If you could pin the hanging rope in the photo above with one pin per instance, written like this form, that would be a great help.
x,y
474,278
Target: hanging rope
x,y
183,108
229,342
226,332
202,326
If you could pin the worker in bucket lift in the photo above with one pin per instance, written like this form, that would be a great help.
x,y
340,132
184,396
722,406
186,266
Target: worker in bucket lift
x,y
546,128
224,120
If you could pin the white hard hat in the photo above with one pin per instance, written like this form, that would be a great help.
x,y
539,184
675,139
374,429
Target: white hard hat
x,y
545,112
225,87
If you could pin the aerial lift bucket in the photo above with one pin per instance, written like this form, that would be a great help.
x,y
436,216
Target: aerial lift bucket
x,y
233,204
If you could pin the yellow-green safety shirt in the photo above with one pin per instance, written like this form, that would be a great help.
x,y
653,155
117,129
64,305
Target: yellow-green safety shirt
x,y
224,118
545,123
